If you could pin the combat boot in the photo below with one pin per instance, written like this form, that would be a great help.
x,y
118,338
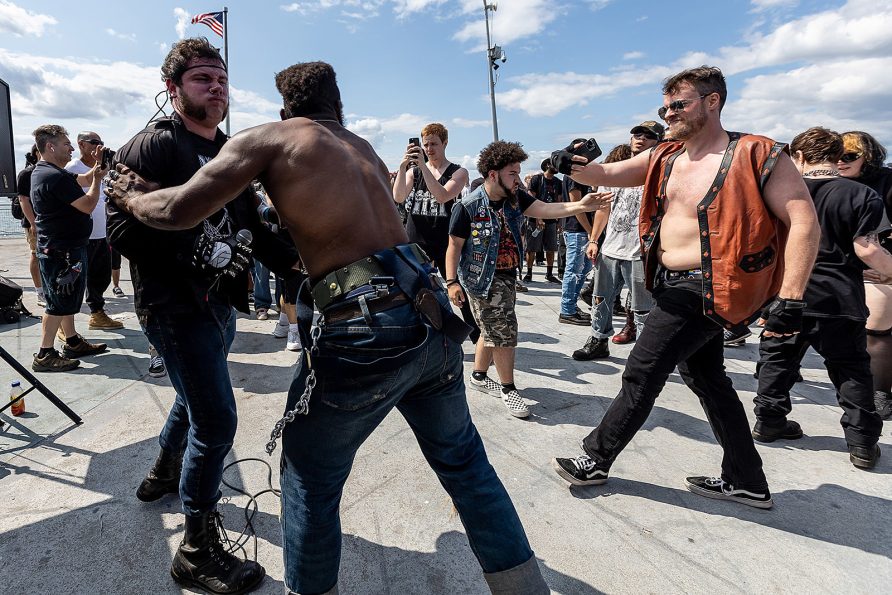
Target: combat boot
x,y
163,478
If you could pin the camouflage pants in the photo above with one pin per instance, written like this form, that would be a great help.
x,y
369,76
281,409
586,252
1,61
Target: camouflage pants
x,y
495,315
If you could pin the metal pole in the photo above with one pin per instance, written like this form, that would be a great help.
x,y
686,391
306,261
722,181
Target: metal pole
x,y
226,57
492,84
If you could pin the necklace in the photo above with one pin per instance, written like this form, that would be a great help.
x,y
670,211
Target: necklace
x,y
817,173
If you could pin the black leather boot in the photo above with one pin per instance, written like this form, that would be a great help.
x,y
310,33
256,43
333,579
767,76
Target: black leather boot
x,y
587,291
593,349
204,561
164,477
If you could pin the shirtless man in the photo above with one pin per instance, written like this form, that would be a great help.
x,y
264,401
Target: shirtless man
x,y
322,179
714,210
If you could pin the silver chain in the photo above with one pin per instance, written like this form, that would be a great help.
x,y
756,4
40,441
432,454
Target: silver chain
x,y
303,403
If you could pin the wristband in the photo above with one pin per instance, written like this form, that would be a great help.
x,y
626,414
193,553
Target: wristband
x,y
451,282
784,316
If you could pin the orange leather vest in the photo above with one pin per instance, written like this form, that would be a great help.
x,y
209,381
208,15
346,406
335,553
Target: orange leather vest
x,y
741,241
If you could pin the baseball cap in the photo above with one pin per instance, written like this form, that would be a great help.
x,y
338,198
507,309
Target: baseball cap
x,y
651,127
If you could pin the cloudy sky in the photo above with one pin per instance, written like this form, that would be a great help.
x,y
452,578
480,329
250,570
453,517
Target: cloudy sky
x,y
574,67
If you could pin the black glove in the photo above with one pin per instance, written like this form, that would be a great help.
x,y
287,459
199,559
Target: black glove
x,y
225,256
784,317
562,161
68,277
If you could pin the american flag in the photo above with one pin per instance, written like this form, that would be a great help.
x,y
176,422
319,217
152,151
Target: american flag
x,y
214,20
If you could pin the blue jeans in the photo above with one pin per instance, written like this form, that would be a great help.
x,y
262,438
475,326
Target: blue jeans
x,y
577,267
363,372
610,275
263,298
203,417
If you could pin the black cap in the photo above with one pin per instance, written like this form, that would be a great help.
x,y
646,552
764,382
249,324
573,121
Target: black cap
x,y
651,127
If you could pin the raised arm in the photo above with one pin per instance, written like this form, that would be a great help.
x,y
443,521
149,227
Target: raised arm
x,y
630,172
240,160
592,201
444,192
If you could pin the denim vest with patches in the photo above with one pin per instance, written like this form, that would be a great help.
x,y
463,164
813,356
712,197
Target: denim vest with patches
x,y
477,264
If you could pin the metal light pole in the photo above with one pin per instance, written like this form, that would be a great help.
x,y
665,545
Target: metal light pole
x,y
491,65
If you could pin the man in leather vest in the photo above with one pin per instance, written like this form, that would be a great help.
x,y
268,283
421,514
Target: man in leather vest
x,y
715,211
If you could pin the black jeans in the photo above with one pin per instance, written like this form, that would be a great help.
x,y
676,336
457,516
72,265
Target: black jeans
x,y
677,333
843,345
98,273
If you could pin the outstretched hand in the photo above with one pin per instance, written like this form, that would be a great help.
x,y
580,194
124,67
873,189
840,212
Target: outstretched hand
x,y
122,185
596,201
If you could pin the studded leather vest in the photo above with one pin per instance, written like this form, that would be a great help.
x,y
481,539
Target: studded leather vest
x,y
741,241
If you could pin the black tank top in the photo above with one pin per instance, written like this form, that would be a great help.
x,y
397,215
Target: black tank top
x,y
428,220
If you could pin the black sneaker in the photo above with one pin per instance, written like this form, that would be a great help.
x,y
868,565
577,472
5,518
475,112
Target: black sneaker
x,y
883,402
580,471
763,432
586,293
714,487
156,367
736,338
593,349
574,318
552,279
528,278
864,457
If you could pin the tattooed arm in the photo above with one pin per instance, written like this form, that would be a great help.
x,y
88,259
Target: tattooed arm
x,y
872,253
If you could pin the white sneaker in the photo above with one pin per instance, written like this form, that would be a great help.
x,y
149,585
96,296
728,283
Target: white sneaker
x,y
293,343
280,330
515,404
41,297
487,385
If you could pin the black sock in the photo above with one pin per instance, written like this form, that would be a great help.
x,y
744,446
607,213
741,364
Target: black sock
x,y
530,271
478,375
44,351
73,341
548,274
507,388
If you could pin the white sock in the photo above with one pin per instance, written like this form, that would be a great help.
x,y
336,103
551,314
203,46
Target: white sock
x,y
283,320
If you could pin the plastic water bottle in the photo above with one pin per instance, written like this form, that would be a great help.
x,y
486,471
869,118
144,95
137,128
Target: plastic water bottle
x,y
14,391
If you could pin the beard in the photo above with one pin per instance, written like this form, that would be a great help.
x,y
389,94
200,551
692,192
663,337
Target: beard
x,y
685,129
195,111
509,194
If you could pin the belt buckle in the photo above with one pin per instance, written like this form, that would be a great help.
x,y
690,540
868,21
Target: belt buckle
x,y
381,284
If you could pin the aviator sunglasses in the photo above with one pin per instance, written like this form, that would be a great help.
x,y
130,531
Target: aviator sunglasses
x,y
93,141
678,105
850,157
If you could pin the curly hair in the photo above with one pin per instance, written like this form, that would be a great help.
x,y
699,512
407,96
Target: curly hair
x,y
308,88
706,79
438,129
46,133
177,60
31,156
865,144
499,154
619,153
818,144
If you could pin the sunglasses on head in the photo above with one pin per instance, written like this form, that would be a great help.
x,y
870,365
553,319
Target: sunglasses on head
x,y
679,105
93,141
850,157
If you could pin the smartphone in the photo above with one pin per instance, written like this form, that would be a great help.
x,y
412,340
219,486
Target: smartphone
x,y
414,141
590,150
107,156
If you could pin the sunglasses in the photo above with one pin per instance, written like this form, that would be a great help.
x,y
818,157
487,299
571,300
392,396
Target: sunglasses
x,y
850,157
645,136
93,141
679,105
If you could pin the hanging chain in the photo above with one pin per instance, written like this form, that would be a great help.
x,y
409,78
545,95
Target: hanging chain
x,y
303,403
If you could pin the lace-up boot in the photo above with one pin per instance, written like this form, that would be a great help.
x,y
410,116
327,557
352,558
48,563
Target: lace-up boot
x,y
163,478
205,561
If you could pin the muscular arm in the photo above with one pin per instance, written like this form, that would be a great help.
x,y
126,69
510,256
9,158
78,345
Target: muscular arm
x,y
444,193
240,160
631,172
872,253
788,198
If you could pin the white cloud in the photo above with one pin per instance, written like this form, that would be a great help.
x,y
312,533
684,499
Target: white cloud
x,y
124,36
20,22
633,55
598,4
466,123
183,21
512,21
763,5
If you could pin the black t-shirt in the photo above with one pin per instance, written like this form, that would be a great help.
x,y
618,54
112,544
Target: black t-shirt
x,y
846,210
161,261
23,188
546,190
572,224
427,222
461,226
60,226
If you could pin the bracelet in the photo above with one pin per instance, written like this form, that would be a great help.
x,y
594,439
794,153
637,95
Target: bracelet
x,y
593,241
451,282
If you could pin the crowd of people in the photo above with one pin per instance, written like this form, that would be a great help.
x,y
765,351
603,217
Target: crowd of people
x,y
710,232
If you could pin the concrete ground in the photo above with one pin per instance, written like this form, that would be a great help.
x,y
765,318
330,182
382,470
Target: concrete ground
x,y
70,522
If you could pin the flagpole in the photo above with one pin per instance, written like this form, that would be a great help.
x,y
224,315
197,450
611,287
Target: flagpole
x,y
226,57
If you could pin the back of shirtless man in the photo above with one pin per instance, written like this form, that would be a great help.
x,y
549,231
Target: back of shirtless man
x,y
727,228
332,192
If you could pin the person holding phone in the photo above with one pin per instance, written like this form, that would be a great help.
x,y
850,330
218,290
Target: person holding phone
x,y
429,184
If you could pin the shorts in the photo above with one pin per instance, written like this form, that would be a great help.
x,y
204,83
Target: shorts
x,y
51,265
496,314
544,240
31,236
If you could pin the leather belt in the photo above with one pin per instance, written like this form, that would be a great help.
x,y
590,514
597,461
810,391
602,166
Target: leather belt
x,y
353,310
343,280
667,275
